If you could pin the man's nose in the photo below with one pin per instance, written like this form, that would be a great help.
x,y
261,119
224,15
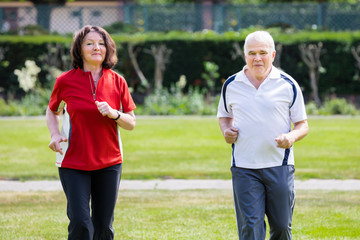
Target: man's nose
x,y
257,57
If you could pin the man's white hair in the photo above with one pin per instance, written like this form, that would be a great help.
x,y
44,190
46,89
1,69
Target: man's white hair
x,y
260,36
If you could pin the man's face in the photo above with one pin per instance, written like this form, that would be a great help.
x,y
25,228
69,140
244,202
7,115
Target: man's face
x,y
259,58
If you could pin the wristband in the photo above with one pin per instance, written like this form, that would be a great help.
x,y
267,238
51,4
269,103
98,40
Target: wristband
x,y
118,112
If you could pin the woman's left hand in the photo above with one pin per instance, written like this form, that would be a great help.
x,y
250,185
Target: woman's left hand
x,y
105,109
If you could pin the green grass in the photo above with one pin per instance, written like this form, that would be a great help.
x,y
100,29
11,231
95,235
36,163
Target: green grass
x,y
183,147
24,151
177,215
331,150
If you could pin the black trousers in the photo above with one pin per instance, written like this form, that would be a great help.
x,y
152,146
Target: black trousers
x,y
100,188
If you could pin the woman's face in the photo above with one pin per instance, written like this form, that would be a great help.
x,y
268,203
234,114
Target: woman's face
x,y
93,49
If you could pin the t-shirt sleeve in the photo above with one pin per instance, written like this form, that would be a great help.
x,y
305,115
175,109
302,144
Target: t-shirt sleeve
x,y
56,102
126,100
223,109
298,111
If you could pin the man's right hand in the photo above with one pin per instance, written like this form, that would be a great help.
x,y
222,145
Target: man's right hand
x,y
231,134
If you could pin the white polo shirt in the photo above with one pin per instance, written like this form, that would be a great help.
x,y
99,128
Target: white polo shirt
x,y
261,115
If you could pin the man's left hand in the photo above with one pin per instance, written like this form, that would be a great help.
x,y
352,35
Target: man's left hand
x,y
285,141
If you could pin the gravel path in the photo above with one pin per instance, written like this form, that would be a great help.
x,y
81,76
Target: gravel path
x,y
178,184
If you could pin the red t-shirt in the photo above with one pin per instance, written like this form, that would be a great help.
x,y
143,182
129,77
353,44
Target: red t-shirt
x,y
93,140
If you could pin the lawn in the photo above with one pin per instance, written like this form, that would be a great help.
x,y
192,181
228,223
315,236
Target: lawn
x,y
183,147
180,147
178,215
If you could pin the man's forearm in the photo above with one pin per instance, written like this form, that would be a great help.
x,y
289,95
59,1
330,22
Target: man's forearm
x,y
300,130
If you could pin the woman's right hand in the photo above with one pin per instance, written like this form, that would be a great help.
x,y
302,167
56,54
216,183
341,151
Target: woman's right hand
x,y
55,143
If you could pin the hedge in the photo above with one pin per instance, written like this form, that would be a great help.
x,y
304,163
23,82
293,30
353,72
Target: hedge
x,y
190,50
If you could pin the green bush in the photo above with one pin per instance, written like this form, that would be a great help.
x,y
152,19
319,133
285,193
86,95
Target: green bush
x,y
35,104
34,30
120,27
311,108
191,50
337,106
11,109
32,104
334,106
174,102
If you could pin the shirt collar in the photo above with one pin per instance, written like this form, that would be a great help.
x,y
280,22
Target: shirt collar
x,y
274,74
104,70
240,76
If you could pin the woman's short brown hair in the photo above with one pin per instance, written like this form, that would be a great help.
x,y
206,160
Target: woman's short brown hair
x,y
76,56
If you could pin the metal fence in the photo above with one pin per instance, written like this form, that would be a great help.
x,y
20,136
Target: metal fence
x,y
185,16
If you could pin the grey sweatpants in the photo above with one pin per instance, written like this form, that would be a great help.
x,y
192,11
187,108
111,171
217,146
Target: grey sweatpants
x,y
267,191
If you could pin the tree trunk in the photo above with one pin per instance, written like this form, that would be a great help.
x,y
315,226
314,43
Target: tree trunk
x,y
158,77
356,53
314,86
161,56
310,54
133,55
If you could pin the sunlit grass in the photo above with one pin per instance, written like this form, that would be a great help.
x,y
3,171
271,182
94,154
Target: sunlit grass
x,y
188,214
183,147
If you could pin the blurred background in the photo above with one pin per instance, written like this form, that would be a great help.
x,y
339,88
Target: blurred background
x,y
176,54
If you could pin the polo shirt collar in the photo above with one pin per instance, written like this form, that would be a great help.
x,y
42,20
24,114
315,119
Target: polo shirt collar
x,y
104,70
240,76
274,74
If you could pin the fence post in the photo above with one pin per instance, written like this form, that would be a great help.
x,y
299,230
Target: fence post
x,y
146,17
127,13
320,15
207,14
238,13
1,19
218,17
43,15
80,17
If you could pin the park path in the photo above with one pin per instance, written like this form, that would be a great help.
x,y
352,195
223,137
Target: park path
x,y
179,184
